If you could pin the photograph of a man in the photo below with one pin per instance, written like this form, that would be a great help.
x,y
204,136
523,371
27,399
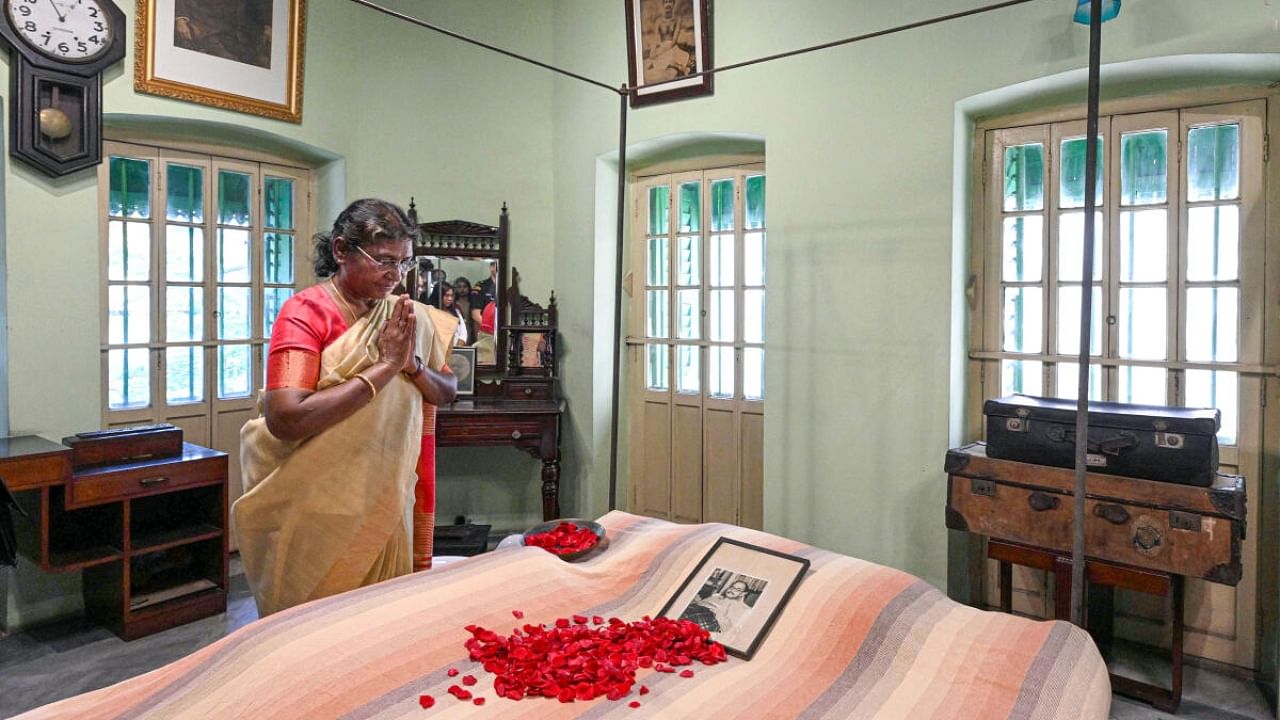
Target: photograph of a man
x,y
236,30
667,38
724,604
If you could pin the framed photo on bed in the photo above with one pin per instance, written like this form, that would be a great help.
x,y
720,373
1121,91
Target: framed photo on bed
x,y
242,55
462,361
736,593
668,42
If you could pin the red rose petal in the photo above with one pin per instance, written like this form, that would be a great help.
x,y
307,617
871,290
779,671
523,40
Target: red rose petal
x,y
634,703
478,701
686,673
470,680
426,701
453,672
580,619
518,614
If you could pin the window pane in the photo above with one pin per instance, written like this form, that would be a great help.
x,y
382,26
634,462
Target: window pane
x,y
755,202
690,217
234,319
688,374
1144,167
721,205
1071,246
1021,376
1142,323
721,260
656,368
1023,319
1024,177
278,261
128,250
233,198
1217,389
1072,174
1143,385
1069,321
272,300
1143,245
1069,381
656,314
720,371
658,260
688,260
128,378
753,373
720,324
1213,328
1023,248
184,313
688,314
659,209
1213,163
128,314
234,371
183,253
753,316
1213,243
184,375
129,193
753,259
277,202
185,188
233,255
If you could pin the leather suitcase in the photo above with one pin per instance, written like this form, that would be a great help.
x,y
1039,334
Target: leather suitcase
x,y
1182,529
1176,445
125,444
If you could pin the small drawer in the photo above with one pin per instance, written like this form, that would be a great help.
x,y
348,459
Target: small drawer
x,y
489,432
29,473
517,390
91,488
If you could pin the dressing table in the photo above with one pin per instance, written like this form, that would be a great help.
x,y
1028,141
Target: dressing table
x,y
514,402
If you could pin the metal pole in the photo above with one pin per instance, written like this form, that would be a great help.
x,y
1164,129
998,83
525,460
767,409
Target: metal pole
x,y
1086,315
625,97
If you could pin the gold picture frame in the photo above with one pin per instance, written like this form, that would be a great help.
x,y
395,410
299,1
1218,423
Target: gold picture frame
x,y
207,52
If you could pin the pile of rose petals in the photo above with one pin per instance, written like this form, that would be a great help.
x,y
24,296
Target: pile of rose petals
x,y
582,658
563,539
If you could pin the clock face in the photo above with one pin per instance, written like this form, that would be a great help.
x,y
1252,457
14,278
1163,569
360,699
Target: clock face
x,y
69,30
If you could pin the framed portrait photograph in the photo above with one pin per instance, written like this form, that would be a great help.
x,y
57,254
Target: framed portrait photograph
x,y
462,361
243,55
736,593
668,44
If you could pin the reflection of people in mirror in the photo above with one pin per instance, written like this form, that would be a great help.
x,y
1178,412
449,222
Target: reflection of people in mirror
x,y
723,604
442,296
237,30
668,40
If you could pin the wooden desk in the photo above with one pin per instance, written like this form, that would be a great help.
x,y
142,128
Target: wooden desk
x,y
150,536
529,425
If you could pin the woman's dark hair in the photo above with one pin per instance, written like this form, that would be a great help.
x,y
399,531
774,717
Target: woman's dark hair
x,y
460,281
364,221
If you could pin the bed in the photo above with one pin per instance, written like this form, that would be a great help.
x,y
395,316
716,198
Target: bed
x,y
858,640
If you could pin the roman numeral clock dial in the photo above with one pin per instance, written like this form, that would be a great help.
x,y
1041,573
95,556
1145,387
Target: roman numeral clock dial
x,y
57,52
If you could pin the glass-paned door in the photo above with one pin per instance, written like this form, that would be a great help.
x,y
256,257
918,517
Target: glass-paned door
x,y
698,365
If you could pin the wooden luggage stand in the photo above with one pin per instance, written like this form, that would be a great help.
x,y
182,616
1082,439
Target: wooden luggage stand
x,y
1142,535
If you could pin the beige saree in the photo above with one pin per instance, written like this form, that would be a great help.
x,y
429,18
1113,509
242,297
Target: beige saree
x,y
328,514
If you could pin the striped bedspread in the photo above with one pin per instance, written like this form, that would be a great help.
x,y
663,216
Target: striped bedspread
x,y
857,640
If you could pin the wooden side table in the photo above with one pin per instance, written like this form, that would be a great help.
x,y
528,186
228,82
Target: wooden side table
x,y
1105,577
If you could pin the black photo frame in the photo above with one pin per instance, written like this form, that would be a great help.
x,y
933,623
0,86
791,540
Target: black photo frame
x,y
736,592
668,40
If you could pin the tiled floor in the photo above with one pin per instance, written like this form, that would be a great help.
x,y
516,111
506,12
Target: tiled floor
x,y
41,665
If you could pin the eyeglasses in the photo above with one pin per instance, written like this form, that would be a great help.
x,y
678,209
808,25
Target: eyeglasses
x,y
403,266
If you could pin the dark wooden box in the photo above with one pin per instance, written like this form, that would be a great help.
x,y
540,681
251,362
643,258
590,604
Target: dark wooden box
x,y
1177,445
1181,529
123,445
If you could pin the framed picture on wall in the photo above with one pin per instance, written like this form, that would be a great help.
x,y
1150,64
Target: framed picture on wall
x,y
668,44
462,361
242,55
736,593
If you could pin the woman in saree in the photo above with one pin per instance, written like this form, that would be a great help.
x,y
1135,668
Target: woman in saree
x,y
353,378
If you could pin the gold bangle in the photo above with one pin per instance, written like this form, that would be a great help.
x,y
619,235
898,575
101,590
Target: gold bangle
x,y
372,388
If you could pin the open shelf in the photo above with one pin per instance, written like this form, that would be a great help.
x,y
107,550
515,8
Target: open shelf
x,y
85,537
78,558
158,540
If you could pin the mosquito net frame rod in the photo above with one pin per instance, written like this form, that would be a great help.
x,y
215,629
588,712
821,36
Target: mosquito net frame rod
x,y
1086,315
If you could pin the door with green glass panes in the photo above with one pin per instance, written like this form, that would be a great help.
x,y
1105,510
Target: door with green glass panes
x,y
200,252
696,346
1177,287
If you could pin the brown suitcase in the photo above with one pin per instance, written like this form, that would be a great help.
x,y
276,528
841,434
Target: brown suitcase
x,y
1181,529
125,444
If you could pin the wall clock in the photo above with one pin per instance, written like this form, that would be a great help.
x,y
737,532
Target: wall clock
x,y
58,50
